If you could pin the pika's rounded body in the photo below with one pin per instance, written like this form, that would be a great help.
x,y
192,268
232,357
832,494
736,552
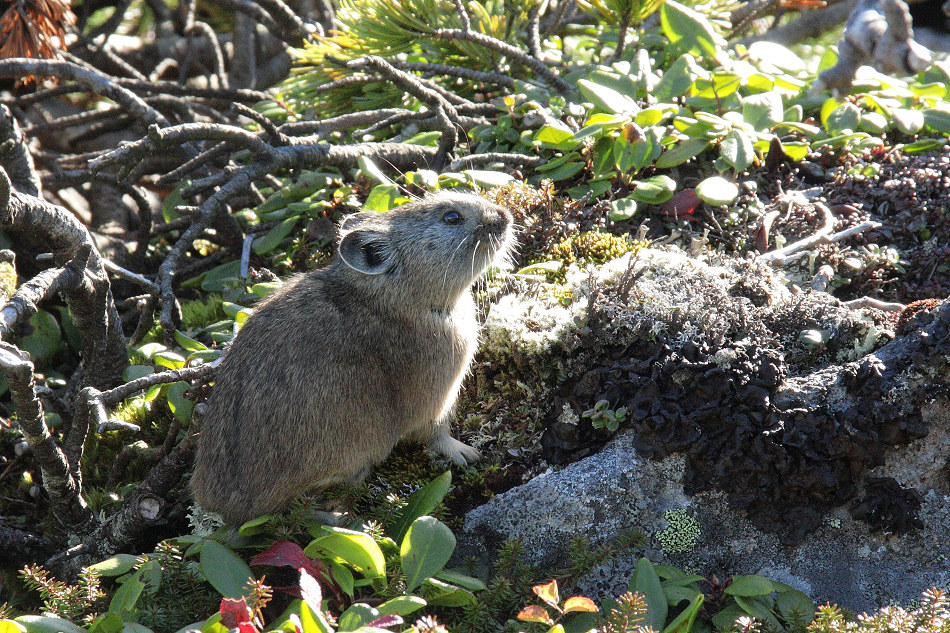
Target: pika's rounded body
x,y
342,362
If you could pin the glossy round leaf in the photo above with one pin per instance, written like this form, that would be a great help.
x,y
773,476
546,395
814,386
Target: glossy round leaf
x,y
226,572
749,586
426,549
717,191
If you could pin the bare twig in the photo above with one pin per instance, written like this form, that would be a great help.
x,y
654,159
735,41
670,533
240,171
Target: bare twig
x,y
95,81
877,304
512,52
783,255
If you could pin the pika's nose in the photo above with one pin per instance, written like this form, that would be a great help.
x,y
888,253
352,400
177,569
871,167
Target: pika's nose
x,y
498,219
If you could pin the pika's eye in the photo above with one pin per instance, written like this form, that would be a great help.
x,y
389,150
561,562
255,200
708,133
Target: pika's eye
x,y
452,217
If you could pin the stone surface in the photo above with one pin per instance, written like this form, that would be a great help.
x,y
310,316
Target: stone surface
x,y
616,490
773,418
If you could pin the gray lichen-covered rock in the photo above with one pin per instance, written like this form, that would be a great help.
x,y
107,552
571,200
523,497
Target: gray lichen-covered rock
x,y
766,429
614,491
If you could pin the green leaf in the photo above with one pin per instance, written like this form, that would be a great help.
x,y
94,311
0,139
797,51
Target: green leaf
x,y
923,145
44,624
828,59
654,190
846,116
776,55
272,239
188,343
697,34
908,121
607,99
724,619
443,594
796,151
422,502
401,605
354,548
463,580
677,79
622,209
763,110
169,359
127,595
114,565
487,178
356,616
754,606
676,595
219,277
654,115
683,623
873,122
795,603
682,153
717,191
313,621
565,171
45,339
430,139
749,586
181,407
737,150
426,549
226,572
937,119
343,577
646,582
371,170
381,198
106,623
135,627
554,133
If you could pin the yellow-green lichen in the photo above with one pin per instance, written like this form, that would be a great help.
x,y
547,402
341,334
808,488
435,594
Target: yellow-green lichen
x,y
593,247
7,278
682,533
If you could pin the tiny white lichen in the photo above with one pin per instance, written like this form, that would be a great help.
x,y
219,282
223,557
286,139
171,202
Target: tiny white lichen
x,y
567,415
204,523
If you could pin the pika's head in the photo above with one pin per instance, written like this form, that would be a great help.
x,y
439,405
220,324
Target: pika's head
x,y
433,248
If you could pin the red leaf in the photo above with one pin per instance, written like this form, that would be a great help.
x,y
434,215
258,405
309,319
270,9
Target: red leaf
x,y
683,202
246,627
235,612
282,553
386,621
287,553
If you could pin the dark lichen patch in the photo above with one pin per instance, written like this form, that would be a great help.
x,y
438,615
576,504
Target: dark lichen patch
x,y
702,368
888,506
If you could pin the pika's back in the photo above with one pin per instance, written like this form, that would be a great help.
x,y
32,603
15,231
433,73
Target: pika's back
x,y
337,366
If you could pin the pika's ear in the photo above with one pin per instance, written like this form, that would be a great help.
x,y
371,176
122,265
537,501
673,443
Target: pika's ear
x,y
367,252
364,219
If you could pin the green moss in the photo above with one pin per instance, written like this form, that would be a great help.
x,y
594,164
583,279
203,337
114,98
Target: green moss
x,y
135,410
199,314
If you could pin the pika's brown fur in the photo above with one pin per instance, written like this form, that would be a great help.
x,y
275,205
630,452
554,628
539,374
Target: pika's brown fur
x,y
342,362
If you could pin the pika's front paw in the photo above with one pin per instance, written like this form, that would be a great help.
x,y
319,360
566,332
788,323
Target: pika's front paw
x,y
459,452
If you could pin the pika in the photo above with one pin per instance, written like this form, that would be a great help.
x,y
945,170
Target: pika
x,y
344,361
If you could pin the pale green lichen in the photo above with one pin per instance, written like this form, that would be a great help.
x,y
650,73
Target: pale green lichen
x,y
681,534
